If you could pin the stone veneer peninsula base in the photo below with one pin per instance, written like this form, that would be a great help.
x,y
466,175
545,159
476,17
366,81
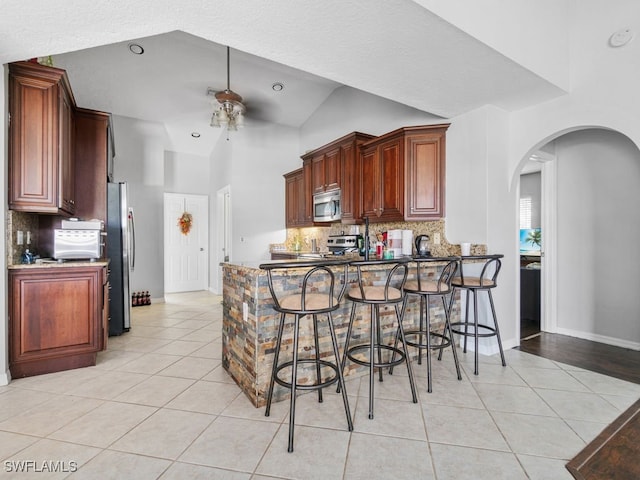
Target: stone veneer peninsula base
x,y
250,326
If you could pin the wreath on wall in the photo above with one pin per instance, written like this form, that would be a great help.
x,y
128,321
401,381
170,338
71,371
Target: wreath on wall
x,y
185,222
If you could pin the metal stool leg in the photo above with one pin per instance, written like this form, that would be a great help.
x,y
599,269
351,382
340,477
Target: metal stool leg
x,y
275,365
466,320
447,316
341,384
428,320
421,328
317,346
495,321
371,360
346,342
294,379
397,339
400,317
379,339
475,333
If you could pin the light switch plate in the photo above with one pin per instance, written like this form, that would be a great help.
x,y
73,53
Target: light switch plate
x,y
20,237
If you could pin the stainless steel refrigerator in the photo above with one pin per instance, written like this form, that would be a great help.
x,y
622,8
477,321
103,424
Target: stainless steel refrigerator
x,y
121,253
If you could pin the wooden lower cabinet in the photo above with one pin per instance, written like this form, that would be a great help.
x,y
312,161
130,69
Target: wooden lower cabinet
x,y
56,319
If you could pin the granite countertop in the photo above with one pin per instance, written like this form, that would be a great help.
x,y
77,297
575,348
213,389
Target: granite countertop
x,y
49,263
255,264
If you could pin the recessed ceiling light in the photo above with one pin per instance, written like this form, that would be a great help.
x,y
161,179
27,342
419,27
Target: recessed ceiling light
x,y
136,48
277,87
195,134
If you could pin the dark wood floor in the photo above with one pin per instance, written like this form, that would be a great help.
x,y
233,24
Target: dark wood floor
x,y
616,362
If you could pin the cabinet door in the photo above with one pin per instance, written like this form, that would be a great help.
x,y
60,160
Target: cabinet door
x,y
350,160
41,176
306,195
33,144
67,155
292,199
425,177
317,173
332,171
370,184
56,318
91,163
391,159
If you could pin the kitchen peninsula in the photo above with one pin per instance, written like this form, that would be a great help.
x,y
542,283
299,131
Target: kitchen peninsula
x,y
250,325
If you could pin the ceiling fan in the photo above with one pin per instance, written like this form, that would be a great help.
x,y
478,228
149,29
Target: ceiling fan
x,y
228,109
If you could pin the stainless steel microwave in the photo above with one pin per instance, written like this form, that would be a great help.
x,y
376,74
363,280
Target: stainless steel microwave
x,y
326,206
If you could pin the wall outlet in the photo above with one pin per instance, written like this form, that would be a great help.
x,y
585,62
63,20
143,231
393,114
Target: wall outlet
x,y
436,238
245,311
20,237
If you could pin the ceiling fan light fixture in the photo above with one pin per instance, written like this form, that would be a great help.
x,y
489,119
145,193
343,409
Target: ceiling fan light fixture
x,y
228,109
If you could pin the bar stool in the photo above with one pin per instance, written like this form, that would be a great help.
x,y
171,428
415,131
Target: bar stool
x,y
485,282
426,287
385,291
316,295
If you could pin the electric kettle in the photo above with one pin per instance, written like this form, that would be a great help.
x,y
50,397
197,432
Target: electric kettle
x,y
422,246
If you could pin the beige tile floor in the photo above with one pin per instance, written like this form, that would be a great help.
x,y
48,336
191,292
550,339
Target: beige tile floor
x,y
159,405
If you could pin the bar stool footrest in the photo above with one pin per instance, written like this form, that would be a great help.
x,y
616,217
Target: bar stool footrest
x,y
410,333
491,330
306,386
366,347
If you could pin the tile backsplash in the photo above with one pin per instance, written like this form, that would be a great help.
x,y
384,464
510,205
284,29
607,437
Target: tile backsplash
x,y
321,234
24,222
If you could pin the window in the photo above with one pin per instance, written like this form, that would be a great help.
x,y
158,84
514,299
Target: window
x,y
525,212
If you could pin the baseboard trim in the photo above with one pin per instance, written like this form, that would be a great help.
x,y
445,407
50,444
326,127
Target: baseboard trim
x,y
615,342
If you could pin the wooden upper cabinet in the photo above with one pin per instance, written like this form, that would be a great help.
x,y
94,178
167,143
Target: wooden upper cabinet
x,y
41,140
326,171
403,175
294,199
336,166
382,181
93,149
425,174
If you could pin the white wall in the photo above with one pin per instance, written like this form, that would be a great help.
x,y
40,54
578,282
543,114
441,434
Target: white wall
x,y
186,173
139,161
349,110
513,28
598,232
261,155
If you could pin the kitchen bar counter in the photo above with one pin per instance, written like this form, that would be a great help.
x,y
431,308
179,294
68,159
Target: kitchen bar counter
x,y
250,323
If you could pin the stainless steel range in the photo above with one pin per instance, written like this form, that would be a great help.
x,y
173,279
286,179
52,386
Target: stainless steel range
x,y
341,244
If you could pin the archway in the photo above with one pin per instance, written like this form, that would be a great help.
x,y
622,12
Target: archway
x,y
591,280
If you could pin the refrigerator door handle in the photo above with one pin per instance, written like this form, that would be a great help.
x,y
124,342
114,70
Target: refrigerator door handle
x,y
132,239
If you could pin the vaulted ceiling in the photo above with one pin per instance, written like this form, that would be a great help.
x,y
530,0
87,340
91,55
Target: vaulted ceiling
x,y
397,50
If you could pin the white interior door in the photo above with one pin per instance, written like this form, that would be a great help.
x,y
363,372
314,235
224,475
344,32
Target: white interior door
x,y
186,257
